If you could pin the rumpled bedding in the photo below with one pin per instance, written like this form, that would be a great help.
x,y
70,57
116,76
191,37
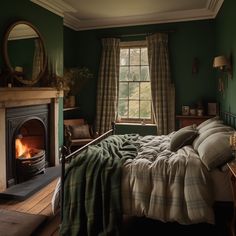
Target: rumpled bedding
x,y
92,198
136,176
168,186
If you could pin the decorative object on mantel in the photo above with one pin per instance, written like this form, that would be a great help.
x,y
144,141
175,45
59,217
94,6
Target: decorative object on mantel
x,y
72,82
185,110
200,108
212,108
192,111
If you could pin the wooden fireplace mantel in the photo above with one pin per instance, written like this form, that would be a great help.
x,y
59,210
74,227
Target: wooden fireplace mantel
x,y
27,96
15,96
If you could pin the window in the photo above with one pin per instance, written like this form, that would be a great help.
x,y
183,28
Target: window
x,y
134,85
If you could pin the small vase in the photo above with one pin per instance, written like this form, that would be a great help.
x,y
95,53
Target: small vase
x,y
69,101
200,112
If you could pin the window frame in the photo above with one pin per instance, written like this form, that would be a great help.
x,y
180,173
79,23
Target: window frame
x,y
130,45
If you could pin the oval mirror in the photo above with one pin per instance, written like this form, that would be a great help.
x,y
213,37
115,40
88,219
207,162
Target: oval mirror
x,y
24,52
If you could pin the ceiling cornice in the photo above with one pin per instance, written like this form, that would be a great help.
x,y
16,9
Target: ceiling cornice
x,y
66,11
56,6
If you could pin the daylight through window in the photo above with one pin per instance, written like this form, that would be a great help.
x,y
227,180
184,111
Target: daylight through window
x,y
134,85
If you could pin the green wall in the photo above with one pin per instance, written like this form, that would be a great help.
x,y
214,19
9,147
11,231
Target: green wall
x,y
70,47
49,25
226,45
187,41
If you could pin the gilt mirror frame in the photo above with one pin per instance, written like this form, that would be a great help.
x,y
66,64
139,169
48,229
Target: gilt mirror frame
x,y
11,70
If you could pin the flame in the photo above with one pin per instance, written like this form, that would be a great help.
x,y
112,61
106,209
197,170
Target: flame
x,y
22,149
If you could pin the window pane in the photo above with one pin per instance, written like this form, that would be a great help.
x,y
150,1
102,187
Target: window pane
x,y
145,73
123,108
124,57
145,91
133,109
135,56
134,84
144,56
123,90
134,90
134,73
124,73
145,109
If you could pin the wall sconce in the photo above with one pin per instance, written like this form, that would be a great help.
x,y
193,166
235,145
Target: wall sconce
x,y
224,64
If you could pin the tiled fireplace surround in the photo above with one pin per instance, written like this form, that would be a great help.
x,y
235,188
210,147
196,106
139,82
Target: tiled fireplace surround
x,y
18,97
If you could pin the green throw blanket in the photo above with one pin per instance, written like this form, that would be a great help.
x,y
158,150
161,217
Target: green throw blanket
x,y
92,190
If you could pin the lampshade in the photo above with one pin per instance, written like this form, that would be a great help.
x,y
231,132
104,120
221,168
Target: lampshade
x,y
220,61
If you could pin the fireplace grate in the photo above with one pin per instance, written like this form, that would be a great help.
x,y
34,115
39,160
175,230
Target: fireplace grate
x,y
27,168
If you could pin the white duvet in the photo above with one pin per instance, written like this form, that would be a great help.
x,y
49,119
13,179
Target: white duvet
x,y
165,185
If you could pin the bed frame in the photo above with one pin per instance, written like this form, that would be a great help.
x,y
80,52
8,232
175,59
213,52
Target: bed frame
x,y
228,118
67,159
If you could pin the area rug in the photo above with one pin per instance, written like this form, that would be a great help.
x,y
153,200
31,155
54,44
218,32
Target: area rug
x,y
14,223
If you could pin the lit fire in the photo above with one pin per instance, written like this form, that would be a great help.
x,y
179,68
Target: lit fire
x,y
22,149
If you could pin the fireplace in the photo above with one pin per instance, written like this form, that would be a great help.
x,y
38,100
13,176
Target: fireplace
x,y
27,132
30,115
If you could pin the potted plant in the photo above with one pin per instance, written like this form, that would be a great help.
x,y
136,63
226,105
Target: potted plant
x,y
72,82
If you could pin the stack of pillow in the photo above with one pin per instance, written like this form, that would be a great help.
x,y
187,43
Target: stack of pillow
x,y
210,140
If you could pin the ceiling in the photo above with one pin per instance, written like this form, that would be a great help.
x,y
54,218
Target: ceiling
x,y
95,14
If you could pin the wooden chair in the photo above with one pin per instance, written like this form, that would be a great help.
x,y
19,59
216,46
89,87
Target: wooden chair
x,y
77,133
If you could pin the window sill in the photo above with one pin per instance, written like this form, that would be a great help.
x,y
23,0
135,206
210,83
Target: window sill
x,y
135,124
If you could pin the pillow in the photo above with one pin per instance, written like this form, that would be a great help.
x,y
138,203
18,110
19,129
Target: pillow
x,y
215,150
182,137
80,131
213,124
206,122
198,140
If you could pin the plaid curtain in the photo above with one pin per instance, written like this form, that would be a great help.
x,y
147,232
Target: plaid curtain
x,y
163,91
107,89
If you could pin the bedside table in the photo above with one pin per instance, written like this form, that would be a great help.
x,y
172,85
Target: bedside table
x,y
232,167
189,120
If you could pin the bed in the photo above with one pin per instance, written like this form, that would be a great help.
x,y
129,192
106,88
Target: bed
x,y
178,177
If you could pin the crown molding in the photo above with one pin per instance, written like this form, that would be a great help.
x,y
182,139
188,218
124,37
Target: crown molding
x,y
56,6
214,6
70,20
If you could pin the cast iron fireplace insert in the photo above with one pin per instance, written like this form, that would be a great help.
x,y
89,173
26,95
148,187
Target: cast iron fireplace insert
x,y
31,123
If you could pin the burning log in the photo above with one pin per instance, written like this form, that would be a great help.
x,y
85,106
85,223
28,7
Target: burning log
x,y
29,161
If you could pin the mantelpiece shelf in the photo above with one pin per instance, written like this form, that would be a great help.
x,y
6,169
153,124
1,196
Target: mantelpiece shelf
x,y
70,108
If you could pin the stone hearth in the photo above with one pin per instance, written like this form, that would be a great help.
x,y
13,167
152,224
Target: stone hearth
x,y
22,97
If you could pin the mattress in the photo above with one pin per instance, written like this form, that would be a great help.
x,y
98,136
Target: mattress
x,y
221,182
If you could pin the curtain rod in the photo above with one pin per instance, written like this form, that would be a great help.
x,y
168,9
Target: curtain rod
x,y
138,34
146,34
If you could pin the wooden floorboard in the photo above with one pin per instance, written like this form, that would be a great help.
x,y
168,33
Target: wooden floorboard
x,y
39,203
50,228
